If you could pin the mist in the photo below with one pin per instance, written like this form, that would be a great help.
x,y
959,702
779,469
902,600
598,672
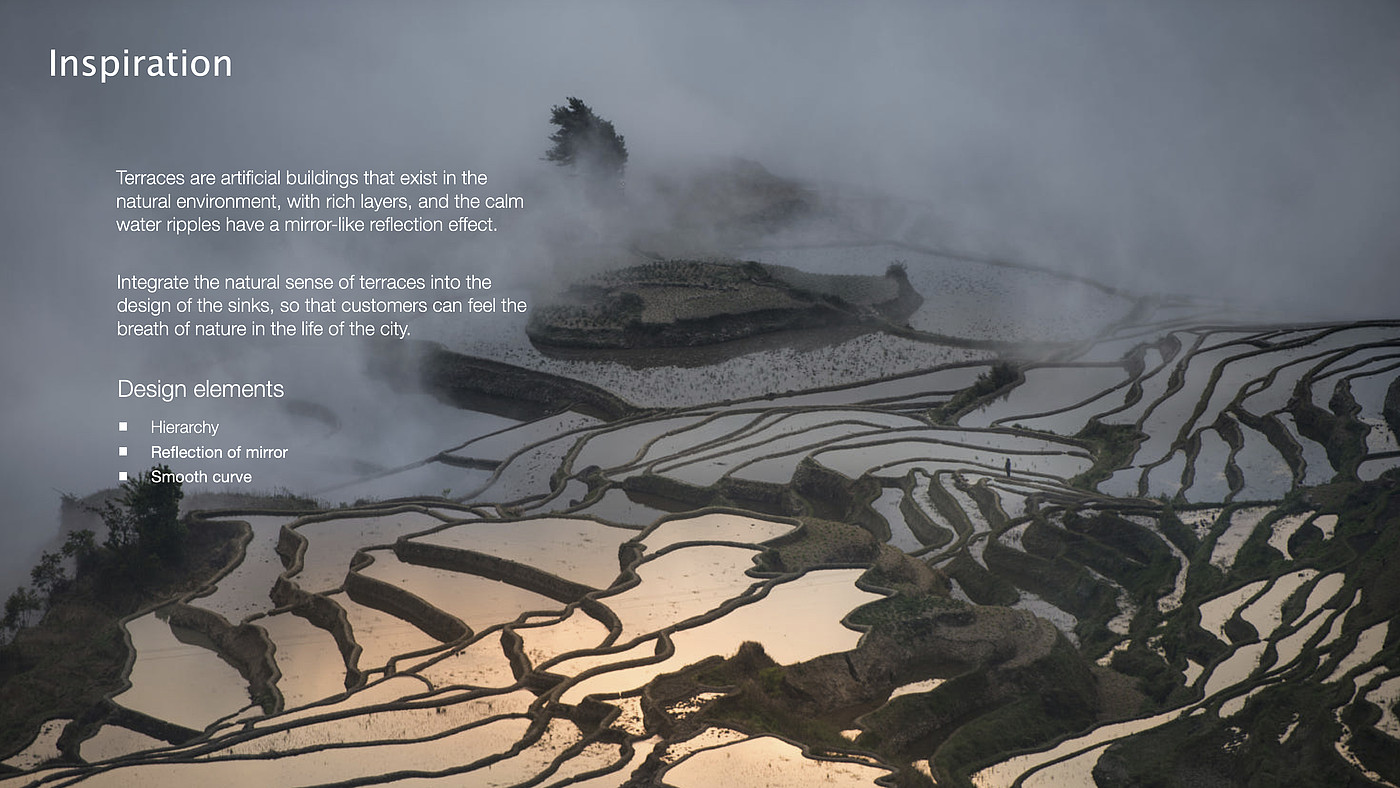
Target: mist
x,y
1241,150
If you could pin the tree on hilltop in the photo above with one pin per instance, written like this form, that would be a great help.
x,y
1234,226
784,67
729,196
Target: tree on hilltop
x,y
587,143
146,518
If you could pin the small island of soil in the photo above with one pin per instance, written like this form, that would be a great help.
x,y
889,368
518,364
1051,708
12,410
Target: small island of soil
x,y
691,303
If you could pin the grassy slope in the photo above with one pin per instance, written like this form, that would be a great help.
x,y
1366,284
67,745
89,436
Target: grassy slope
x,y
76,656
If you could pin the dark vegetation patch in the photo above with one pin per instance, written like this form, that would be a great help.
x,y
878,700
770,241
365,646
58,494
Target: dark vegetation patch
x,y
1245,749
1011,682
997,382
67,664
1112,447
1390,409
1336,427
980,585
1250,747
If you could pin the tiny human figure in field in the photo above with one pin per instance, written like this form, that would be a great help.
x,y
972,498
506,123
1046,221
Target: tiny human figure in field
x,y
1008,467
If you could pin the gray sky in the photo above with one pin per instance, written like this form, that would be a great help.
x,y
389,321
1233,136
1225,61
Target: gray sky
x,y
1221,140
1220,147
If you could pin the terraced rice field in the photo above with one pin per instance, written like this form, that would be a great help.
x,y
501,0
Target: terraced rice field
x,y
1180,499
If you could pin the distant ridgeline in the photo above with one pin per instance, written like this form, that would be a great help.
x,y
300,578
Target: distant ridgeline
x,y
687,303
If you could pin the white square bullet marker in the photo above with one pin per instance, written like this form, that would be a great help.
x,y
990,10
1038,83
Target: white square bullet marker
x,y
121,426
121,476
121,451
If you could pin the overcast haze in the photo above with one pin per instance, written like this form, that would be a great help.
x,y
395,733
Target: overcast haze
x,y
1238,149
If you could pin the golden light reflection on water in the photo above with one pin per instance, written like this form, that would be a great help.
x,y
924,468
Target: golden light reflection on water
x,y
176,681
493,692
767,762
